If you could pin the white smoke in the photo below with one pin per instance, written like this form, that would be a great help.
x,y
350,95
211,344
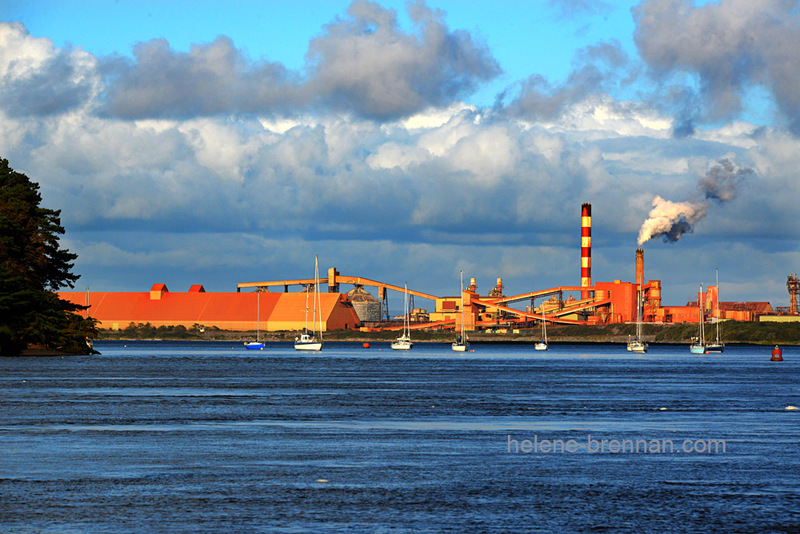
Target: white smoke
x,y
671,220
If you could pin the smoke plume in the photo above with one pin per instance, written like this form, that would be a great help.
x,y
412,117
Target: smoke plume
x,y
671,220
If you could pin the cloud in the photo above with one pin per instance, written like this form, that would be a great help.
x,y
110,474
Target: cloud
x,y
38,80
597,69
366,64
210,79
201,181
729,47
568,9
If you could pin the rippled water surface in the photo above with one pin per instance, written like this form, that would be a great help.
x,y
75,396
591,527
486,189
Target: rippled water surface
x,y
208,437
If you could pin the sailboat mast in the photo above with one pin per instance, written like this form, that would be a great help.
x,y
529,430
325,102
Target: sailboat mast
x,y
306,329
317,301
406,325
702,318
716,310
462,304
544,325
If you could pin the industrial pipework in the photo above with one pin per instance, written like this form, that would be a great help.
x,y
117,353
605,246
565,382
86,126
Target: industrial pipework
x,y
793,285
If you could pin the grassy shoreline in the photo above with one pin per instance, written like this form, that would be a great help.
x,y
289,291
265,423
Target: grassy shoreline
x,y
733,332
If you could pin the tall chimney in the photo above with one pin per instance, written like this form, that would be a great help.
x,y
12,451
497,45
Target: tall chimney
x,y
586,249
639,268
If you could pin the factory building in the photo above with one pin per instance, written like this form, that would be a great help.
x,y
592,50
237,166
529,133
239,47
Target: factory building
x,y
272,307
227,311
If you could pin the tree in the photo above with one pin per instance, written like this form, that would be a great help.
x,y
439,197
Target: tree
x,y
32,268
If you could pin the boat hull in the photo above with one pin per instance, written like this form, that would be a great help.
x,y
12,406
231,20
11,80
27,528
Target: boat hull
x,y
540,346
697,349
715,348
309,346
460,347
402,345
638,347
254,345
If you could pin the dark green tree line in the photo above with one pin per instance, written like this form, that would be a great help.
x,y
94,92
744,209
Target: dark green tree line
x,y
32,268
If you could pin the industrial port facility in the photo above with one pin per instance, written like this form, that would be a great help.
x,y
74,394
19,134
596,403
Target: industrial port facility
x,y
281,305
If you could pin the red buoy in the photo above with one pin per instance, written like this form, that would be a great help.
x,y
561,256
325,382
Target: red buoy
x,y
777,354
365,345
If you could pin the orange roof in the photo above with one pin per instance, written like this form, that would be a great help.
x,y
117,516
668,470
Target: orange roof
x,y
225,310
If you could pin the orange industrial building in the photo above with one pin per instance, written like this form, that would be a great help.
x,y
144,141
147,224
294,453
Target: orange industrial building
x,y
227,311
272,307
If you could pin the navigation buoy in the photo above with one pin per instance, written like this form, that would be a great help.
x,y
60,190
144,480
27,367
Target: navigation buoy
x,y
365,345
777,354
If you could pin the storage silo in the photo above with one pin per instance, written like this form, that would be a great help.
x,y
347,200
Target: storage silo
x,y
367,307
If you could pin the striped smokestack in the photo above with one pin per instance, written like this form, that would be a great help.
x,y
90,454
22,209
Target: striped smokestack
x,y
586,248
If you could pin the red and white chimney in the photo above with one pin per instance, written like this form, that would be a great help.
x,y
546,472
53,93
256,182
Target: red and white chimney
x,y
586,248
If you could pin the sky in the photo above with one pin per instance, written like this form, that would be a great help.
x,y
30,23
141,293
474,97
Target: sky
x,y
223,142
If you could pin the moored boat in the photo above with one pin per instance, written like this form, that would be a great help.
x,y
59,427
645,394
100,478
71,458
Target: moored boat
x,y
698,345
542,345
257,344
716,346
461,344
308,340
638,344
404,341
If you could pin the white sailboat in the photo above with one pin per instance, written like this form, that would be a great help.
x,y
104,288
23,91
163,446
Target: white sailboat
x,y
257,344
638,344
404,341
306,340
716,345
698,345
542,345
461,344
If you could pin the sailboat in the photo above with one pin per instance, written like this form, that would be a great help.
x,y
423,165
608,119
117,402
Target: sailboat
x,y
404,341
257,344
542,345
638,345
461,344
306,340
698,345
716,345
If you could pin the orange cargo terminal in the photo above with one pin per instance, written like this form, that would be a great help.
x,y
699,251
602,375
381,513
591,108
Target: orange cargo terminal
x,y
227,311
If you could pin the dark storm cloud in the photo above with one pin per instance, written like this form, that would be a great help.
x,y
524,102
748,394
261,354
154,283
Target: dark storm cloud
x,y
210,79
721,182
57,84
596,68
730,46
364,64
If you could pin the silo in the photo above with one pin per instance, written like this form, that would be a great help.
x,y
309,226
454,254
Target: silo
x,y
367,307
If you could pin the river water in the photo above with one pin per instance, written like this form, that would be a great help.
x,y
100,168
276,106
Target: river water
x,y
209,437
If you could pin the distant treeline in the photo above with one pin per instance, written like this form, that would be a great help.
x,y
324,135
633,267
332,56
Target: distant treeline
x,y
767,333
732,332
148,331
737,332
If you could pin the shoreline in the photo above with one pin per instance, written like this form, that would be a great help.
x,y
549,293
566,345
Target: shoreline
x,y
734,332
